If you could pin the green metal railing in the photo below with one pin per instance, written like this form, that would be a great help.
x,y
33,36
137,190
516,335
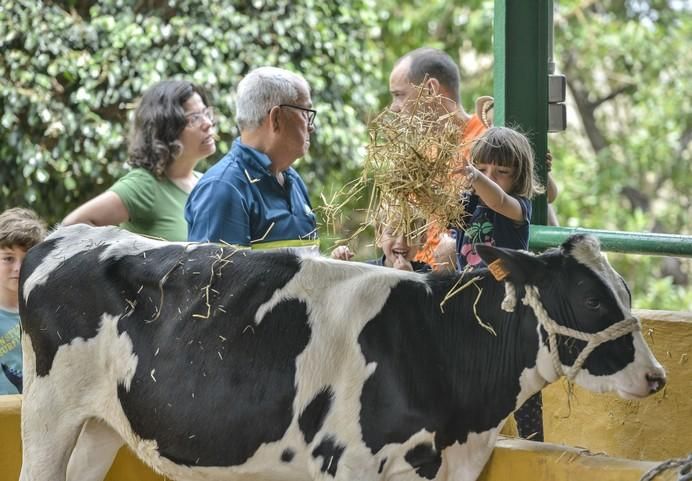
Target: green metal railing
x,y
542,237
522,33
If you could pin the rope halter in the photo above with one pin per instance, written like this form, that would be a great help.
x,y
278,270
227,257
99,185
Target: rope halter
x,y
593,340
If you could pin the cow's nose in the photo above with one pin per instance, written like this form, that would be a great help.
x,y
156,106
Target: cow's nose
x,y
656,380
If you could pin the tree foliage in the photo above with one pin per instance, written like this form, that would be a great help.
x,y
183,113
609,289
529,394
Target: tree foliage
x,y
624,162
462,29
73,70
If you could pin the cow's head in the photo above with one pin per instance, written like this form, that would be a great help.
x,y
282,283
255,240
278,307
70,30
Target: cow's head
x,y
583,308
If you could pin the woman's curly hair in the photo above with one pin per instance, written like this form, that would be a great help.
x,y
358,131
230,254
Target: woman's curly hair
x,y
159,120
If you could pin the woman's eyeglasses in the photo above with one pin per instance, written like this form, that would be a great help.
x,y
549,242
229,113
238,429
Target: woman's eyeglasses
x,y
195,119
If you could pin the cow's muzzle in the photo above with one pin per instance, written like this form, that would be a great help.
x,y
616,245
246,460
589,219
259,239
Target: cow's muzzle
x,y
656,380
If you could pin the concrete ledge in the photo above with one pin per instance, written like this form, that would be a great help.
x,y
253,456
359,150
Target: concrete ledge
x,y
520,460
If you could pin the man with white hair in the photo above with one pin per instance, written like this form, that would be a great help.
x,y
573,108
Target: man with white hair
x,y
253,197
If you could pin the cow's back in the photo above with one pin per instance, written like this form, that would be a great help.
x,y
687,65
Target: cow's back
x,y
172,327
74,278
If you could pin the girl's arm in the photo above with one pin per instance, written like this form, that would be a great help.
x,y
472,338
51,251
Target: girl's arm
x,y
492,194
551,190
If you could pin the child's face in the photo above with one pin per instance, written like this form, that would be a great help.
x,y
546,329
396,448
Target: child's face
x,y
501,175
10,260
396,246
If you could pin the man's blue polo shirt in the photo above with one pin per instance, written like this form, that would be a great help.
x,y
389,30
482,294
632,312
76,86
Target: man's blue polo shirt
x,y
239,201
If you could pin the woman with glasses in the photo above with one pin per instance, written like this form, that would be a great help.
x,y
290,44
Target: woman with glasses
x,y
173,129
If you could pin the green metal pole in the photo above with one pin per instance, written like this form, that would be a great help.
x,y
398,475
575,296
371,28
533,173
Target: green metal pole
x,y
521,43
522,48
543,237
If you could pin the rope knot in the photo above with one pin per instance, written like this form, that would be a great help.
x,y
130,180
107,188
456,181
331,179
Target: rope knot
x,y
510,300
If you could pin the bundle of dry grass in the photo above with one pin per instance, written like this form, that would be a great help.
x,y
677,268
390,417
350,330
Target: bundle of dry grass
x,y
410,163
408,172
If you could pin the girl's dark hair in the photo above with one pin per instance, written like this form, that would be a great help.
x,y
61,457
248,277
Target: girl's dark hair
x,y
159,120
509,148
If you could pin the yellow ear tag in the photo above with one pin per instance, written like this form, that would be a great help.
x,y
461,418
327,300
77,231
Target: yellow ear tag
x,y
497,269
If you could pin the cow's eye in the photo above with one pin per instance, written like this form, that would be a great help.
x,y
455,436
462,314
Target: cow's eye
x,y
593,303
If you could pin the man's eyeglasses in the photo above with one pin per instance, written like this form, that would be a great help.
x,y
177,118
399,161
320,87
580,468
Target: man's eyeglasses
x,y
309,114
195,119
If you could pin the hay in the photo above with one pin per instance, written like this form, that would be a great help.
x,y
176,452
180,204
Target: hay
x,y
333,207
408,173
410,163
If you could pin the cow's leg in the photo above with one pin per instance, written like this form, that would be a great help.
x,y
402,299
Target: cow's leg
x,y
48,436
466,461
94,452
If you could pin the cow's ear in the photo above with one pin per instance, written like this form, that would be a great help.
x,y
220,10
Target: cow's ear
x,y
512,265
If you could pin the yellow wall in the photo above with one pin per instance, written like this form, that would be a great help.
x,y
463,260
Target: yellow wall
x,y
658,427
128,468
10,445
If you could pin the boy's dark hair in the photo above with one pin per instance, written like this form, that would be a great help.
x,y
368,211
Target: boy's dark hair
x,y
158,122
21,228
433,63
509,148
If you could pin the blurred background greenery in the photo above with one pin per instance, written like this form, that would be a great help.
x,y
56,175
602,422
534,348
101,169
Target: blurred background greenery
x,y
71,71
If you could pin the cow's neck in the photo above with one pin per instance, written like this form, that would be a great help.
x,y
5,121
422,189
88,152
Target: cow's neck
x,y
500,362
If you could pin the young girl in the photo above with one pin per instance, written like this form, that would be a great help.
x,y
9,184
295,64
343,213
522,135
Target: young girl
x,y
498,213
398,251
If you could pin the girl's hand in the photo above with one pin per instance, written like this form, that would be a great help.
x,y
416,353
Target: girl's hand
x,y
402,264
342,253
468,170
551,190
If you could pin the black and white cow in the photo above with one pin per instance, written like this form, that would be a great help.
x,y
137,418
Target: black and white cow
x,y
217,364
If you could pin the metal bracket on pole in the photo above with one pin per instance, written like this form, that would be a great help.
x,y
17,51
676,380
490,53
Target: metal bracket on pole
x,y
557,112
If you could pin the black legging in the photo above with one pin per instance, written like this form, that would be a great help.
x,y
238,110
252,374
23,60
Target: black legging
x,y
529,418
